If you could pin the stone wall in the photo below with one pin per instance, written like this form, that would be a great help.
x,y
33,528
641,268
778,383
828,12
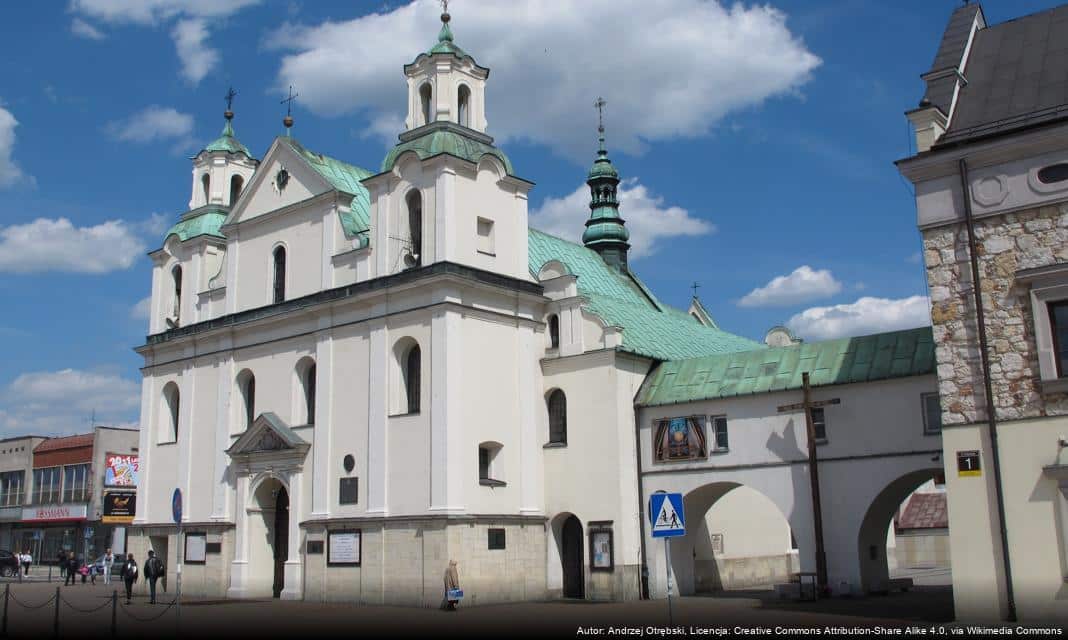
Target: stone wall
x,y
1005,243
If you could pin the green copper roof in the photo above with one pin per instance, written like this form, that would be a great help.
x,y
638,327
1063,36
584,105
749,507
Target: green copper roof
x,y
227,142
602,166
650,328
345,178
449,138
445,43
881,356
611,230
204,221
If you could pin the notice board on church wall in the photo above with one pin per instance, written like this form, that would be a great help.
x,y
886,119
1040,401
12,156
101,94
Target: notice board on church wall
x,y
343,548
682,438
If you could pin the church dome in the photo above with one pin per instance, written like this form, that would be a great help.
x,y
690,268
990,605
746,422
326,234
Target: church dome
x,y
605,229
227,142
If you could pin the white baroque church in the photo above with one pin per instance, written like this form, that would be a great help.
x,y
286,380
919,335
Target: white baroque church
x,y
354,376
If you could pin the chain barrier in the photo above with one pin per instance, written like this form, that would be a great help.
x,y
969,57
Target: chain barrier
x,y
154,617
92,610
31,607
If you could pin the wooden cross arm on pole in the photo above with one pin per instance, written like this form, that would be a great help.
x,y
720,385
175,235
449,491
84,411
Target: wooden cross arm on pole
x,y
799,406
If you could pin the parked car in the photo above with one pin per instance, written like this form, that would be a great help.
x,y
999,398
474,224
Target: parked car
x,y
116,565
9,564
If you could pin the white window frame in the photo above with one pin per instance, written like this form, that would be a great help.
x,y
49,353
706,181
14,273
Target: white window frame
x,y
1047,284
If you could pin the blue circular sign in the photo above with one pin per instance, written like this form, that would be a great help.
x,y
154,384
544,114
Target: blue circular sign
x,y
176,506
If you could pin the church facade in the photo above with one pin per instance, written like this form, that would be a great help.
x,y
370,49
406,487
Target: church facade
x,y
355,376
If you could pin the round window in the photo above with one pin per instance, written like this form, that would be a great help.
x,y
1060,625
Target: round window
x,y
349,463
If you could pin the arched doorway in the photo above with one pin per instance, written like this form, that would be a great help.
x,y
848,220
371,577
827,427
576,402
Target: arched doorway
x,y
873,535
571,549
737,538
280,543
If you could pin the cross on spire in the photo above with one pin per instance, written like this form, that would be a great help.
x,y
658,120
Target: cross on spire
x,y
600,104
288,120
229,97
695,286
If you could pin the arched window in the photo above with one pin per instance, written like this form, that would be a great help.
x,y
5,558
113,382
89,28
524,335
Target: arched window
x,y
176,274
463,104
558,417
554,332
415,226
236,184
172,401
412,373
246,384
205,182
424,99
309,392
279,274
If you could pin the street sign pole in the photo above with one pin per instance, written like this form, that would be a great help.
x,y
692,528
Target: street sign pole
x,y
667,562
668,520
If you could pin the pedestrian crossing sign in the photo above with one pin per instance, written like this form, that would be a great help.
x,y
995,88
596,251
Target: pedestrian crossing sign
x,y
666,515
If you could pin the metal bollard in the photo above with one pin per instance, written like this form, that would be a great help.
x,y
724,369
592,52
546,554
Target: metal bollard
x,y
50,573
55,617
114,610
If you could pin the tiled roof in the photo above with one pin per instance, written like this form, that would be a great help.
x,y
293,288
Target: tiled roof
x,y
843,361
199,222
650,328
68,442
1016,77
924,511
345,178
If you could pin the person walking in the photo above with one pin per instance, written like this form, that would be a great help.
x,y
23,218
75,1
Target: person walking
x,y
452,588
72,570
129,576
154,570
27,560
108,559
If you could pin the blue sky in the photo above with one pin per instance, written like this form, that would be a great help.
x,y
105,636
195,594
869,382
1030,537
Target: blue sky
x,y
757,142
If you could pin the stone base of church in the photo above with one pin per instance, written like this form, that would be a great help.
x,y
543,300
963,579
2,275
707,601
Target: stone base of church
x,y
207,579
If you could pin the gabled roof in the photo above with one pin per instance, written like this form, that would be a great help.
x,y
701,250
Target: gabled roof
x,y
925,511
344,177
881,356
1015,76
204,221
267,433
650,328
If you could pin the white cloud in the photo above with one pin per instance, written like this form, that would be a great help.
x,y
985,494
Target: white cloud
x,y
865,316
190,39
82,28
668,69
151,124
61,402
648,220
10,173
190,33
802,285
142,309
57,245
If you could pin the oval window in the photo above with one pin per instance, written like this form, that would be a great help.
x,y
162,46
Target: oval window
x,y
1053,173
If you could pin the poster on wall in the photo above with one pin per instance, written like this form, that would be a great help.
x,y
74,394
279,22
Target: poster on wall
x,y
196,548
343,548
680,439
601,550
119,508
120,470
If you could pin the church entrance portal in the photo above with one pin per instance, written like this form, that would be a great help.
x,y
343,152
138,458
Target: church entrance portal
x,y
280,543
571,557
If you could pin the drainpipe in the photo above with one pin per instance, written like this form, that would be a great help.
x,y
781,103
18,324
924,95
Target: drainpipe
x,y
988,388
643,568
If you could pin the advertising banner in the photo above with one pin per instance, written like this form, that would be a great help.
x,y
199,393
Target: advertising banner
x,y
120,470
119,508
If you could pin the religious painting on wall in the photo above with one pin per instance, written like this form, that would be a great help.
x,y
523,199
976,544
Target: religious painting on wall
x,y
680,439
343,548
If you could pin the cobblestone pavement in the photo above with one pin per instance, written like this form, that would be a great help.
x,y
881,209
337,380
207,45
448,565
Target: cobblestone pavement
x,y
86,611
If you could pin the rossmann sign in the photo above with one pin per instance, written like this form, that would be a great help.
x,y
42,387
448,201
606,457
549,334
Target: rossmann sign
x,y
54,513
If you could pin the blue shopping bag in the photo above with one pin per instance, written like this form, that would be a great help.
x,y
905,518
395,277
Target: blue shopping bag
x,y
455,595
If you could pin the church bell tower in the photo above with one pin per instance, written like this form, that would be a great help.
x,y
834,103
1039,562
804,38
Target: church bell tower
x,y
606,232
222,169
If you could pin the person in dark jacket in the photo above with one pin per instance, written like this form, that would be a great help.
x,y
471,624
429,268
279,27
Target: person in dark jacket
x,y
129,575
72,569
154,570
61,560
